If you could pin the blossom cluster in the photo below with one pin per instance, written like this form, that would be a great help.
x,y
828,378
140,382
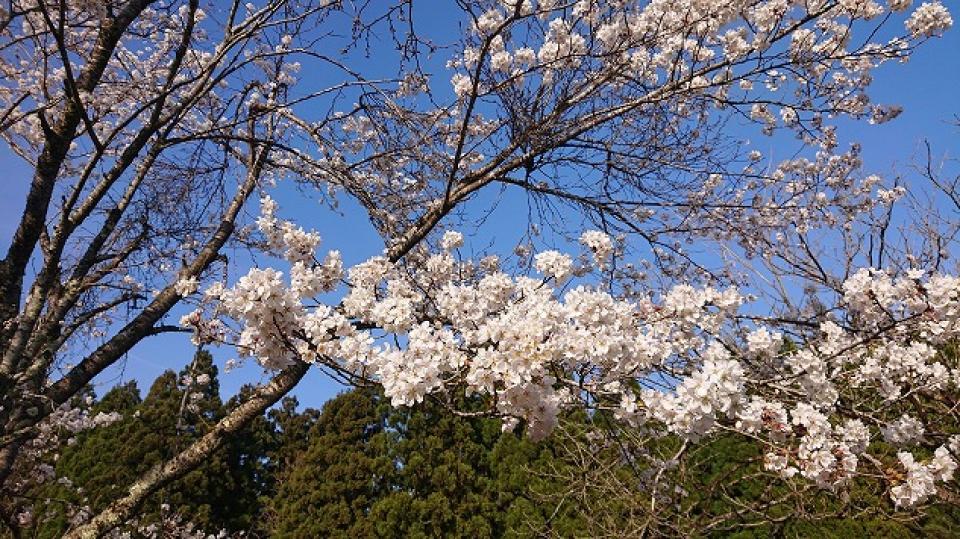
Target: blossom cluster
x,y
535,344
39,454
920,483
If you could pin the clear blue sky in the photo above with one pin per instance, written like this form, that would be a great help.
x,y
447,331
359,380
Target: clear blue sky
x,y
928,87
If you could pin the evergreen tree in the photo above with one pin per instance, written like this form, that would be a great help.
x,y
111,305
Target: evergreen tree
x,y
359,468
332,485
94,470
179,408
726,474
421,472
292,431
441,481
256,456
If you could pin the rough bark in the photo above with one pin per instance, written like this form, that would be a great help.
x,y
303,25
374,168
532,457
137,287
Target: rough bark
x,y
58,139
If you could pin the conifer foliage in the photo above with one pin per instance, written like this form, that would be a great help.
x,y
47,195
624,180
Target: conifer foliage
x,y
362,468
179,408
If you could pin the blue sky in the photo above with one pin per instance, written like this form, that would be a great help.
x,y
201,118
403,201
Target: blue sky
x,y
928,87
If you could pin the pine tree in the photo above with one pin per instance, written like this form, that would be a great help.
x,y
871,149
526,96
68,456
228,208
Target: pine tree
x,y
292,431
90,469
332,485
441,482
360,468
179,408
373,471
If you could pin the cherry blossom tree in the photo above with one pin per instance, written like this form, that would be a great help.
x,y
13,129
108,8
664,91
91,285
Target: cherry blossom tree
x,y
148,126
152,125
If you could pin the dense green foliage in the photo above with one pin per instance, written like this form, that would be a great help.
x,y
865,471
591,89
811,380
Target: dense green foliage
x,y
360,468
224,492
373,471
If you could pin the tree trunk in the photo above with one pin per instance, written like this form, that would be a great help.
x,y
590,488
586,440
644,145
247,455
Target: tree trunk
x,y
162,474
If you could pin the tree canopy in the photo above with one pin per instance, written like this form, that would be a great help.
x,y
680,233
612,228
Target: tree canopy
x,y
670,283
362,468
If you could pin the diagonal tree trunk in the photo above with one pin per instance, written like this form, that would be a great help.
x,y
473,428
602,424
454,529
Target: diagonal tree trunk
x,y
164,473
